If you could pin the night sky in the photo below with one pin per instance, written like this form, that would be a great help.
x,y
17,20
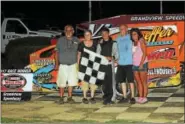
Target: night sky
x,y
59,13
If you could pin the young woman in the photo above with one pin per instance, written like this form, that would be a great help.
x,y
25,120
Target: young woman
x,y
90,45
140,64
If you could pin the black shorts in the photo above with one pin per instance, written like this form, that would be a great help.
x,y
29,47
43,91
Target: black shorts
x,y
124,74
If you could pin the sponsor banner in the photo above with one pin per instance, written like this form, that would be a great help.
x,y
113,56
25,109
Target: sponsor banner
x,y
175,17
154,35
137,19
16,80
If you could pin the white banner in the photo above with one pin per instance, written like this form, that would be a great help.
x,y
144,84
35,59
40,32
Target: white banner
x,y
14,81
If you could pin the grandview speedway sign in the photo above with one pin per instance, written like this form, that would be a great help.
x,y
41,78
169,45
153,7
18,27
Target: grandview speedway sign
x,y
151,33
14,82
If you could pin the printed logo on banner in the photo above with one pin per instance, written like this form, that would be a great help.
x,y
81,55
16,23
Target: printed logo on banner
x,y
162,71
13,81
17,80
160,32
166,53
43,77
151,34
157,18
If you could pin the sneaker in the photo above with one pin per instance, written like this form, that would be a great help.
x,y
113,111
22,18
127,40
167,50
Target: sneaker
x,y
144,100
105,102
132,101
85,101
139,99
111,102
92,101
60,101
123,100
70,100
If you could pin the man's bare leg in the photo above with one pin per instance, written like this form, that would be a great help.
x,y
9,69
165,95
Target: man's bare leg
x,y
61,92
124,89
132,90
69,99
70,90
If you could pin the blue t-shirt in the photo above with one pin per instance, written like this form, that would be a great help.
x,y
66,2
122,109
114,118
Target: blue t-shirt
x,y
125,50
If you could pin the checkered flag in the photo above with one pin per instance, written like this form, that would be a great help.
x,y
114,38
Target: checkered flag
x,y
91,67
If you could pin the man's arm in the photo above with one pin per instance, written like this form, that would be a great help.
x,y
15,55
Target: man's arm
x,y
57,54
79,50
78,57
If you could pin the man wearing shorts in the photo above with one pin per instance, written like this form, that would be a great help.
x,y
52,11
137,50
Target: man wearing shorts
x,y
67,55
124,70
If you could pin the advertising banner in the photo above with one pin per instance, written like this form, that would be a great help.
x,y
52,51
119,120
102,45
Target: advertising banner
x,y
15,82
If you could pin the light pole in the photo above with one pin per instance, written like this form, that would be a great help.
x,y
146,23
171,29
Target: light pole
x,y
90,12
161,7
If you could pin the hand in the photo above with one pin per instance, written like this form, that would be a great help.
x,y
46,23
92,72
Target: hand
x,y
115,63
109,58
141,67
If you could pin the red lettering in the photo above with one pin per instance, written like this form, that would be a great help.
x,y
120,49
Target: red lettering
x,y
14,82
169,54
161,55
154,56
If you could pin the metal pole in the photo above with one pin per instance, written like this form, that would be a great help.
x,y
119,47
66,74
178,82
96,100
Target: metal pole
x,y
100,9
90,14
161,7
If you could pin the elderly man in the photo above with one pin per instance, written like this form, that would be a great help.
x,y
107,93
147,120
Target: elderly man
x,y
67,53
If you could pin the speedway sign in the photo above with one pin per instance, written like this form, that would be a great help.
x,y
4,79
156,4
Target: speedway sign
x,y
14,82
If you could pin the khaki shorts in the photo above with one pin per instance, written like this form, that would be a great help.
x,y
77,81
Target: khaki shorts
x,y
85,86
67,74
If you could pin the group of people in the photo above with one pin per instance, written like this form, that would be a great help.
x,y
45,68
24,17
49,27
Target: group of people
x,y
127,52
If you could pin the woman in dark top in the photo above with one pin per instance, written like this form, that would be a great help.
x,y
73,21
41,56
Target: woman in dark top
x,y
90,45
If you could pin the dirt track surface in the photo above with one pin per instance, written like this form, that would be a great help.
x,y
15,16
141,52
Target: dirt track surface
x,y
164,107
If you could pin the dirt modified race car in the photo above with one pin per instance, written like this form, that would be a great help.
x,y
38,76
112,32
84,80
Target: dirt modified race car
x,y
164,35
